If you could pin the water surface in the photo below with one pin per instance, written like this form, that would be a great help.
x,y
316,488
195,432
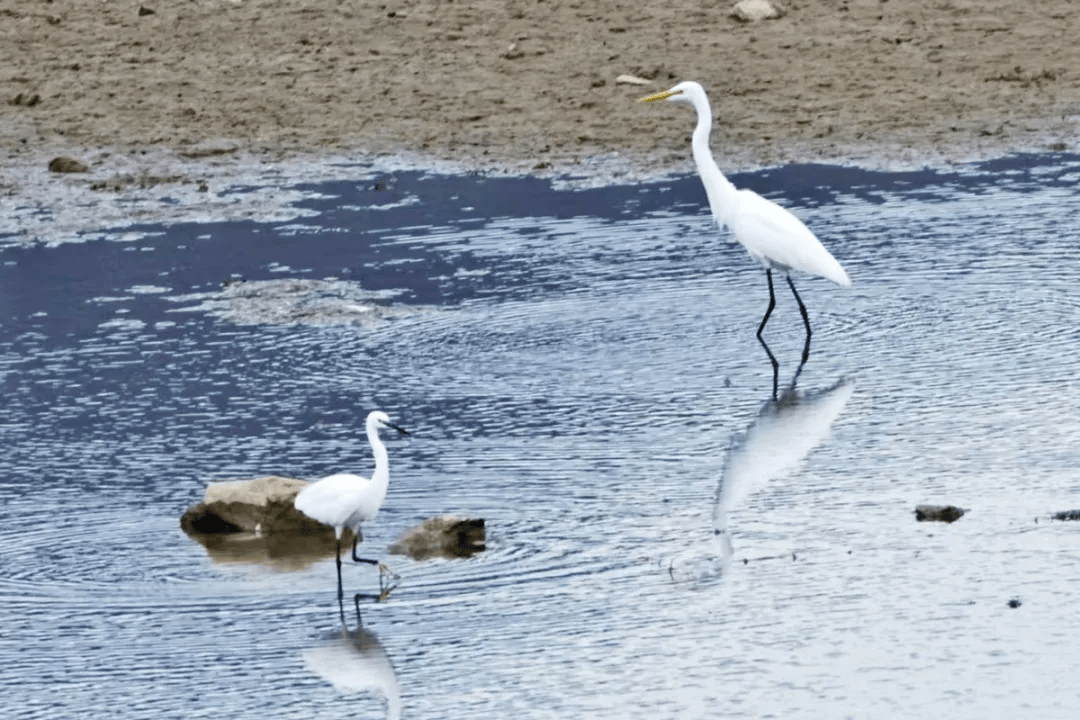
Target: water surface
x,y
579,368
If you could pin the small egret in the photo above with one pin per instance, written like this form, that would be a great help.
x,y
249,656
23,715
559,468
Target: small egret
x,y
345,501
772,235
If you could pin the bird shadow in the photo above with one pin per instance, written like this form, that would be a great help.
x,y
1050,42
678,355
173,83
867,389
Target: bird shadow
x,y
354,662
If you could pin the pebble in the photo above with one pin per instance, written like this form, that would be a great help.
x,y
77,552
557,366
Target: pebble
x,y
67,165
755,10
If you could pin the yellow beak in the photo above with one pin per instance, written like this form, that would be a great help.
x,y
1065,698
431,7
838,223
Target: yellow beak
x,y
660,96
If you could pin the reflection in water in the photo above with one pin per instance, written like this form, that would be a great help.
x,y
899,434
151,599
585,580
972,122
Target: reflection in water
x,y
784,433
772,358
284,552
354,661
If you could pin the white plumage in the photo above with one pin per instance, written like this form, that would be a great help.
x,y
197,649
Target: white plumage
x,y
347,501
772,235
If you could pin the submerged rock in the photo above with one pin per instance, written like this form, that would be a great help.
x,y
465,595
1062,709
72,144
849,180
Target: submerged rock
x,y
295,301
938,513
445,536
1067,515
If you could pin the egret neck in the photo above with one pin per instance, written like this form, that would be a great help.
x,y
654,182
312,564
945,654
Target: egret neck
x,y
380,479
719,189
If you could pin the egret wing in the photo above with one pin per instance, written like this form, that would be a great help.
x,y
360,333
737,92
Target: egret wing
x,y
332,500
776,237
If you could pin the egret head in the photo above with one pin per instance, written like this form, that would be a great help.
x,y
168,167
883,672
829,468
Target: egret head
x,y
377,419
685,92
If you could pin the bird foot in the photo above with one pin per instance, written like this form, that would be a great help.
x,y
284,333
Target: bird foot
x,y
388,581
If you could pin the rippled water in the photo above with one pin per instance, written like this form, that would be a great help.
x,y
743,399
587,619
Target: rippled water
x,y
580,369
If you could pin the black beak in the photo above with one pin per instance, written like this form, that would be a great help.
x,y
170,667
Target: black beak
x,y
401,430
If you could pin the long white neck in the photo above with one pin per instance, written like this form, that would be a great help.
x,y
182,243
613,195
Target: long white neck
x,y
380,479
721,192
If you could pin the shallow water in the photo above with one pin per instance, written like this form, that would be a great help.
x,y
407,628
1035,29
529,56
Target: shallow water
x,y
580,369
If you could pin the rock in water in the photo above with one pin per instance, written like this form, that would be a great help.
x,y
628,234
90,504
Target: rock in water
x,y
938,513
67,165
445,536
262,505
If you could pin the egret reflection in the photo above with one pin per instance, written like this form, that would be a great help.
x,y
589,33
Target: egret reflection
x,y
776,363
354,662
782,435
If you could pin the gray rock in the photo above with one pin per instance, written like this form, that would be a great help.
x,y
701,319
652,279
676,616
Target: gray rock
x,y
67,165
938,513
263,505
446,536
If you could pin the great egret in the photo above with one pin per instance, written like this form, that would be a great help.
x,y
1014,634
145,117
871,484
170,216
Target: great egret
x,y
345,501
772,235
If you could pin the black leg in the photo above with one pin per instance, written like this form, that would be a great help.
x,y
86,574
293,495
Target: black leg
x,y
806,321
802,309
772,358
356,602
338,558
805,355
340,593
385,586
357,538
772,304
775,367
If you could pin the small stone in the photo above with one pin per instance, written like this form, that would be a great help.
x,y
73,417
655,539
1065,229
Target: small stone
x,y
631,80
756,10
25,100
938,513
143,10
67,165
1015,603
209,148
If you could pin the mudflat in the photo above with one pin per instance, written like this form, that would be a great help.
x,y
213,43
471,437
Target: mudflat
x,y
532,85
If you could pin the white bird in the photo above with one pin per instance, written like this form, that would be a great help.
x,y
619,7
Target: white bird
x,y
772,235
345,501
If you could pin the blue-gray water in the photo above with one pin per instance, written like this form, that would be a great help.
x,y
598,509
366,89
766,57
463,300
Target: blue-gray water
x,y
580,369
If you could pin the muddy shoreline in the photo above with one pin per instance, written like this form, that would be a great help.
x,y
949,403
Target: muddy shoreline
x,y
160,92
